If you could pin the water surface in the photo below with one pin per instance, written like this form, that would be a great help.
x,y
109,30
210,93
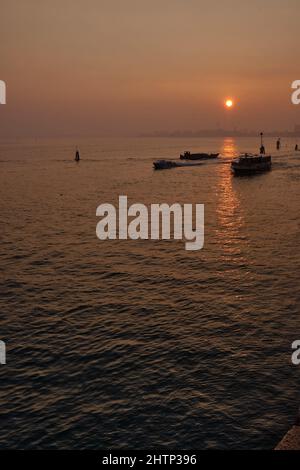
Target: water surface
x,y
142,344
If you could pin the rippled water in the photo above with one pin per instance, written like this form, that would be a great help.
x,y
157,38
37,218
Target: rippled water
x,y
140,343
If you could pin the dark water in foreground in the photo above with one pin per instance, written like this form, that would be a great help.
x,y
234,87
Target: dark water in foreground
x,y
139,343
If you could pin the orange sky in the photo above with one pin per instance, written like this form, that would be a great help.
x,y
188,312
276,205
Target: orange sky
x,y
116,67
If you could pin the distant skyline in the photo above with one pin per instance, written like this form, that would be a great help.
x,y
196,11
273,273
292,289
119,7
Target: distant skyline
x,y
224,133
110,67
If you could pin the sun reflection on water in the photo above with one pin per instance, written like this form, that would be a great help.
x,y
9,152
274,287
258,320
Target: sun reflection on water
x,y
229,149
229,211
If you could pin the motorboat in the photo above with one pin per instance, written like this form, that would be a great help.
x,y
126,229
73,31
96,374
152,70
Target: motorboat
x,y
198,156
164,164
249,163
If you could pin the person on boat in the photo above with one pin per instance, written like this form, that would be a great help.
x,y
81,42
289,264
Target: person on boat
x,y
296,148
278,144
77,156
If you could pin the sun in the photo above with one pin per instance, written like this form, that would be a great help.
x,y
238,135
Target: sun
x,y
229,103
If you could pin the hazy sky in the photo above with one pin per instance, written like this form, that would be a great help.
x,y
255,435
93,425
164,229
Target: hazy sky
x,y
105,67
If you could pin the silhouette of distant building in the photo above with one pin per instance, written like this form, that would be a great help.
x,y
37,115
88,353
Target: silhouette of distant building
x,y
219,132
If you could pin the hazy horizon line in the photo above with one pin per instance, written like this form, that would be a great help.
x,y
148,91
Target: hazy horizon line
x,y
217,132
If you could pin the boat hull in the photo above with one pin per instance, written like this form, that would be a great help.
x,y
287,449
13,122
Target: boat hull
x,y
167,164
198,156
249,171
251,165
164,165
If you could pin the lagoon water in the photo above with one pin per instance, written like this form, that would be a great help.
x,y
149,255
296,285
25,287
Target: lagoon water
x,y
142,344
